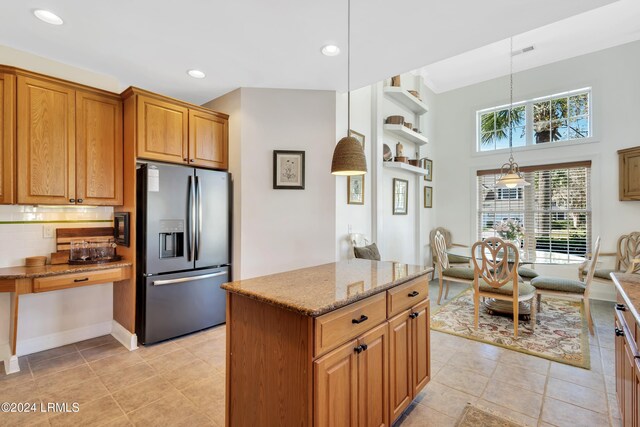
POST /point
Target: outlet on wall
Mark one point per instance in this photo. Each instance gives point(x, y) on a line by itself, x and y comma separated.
point(47, 231)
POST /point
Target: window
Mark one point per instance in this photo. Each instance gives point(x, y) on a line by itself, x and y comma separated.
point(561, 117)
point(555, 209)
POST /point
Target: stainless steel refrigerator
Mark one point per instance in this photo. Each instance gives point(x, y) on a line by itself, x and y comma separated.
point(183, 234)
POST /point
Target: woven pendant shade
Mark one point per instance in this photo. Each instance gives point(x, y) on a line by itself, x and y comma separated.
point(348, 158)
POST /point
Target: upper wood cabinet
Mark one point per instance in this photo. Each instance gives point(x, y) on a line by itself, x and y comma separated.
point(69, 143)
point(46, 142)
point(7, 137)
point(629, 164)
point(99, 173)
point(168, 130)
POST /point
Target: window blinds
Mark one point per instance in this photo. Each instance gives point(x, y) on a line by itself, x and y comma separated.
point(555, 209)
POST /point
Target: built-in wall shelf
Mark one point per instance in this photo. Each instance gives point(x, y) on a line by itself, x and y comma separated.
point(405, 166)
point(403, 97)
point(406, 133)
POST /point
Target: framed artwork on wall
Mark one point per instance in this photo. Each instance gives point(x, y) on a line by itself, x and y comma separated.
point(358, 136)
point(428, 197)
point(355, 190)
point(400, 196)
point(428, 165)
point(288, 170)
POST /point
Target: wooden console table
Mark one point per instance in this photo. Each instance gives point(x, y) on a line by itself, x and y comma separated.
point(26, 280)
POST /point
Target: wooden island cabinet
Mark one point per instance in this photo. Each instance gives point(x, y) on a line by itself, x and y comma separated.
point(342, 344)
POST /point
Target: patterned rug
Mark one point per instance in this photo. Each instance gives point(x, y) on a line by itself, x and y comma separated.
point(561, 332)
point(475, 417)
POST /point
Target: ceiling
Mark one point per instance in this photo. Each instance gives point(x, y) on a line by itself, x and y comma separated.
point(275, 43)
point(598, 29)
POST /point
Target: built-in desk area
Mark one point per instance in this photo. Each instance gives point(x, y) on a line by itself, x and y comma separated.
point(26, 280)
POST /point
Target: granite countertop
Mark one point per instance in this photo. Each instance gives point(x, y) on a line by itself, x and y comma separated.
point(318, 290)
point(54, 270)
point(629, 287)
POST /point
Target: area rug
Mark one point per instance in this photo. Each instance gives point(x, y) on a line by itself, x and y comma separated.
point(474, 417)
point(561, 332)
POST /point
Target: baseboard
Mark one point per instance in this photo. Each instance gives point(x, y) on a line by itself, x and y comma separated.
point(126, 338)
point(10, 362)
point(59, 339)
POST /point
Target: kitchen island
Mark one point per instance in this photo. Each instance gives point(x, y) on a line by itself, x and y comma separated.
point(339, 344)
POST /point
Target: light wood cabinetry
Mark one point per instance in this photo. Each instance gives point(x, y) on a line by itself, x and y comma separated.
point(168, 130)
point(627, 368)
point(629, 169)
point(7, 137)
point(69, 143)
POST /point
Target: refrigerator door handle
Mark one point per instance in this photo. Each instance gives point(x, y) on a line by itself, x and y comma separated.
point(192, 220)
point(199, 226)
point(188, 279)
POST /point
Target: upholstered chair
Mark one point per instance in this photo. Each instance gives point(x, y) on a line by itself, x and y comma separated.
point(627, 259)
point(444, 268)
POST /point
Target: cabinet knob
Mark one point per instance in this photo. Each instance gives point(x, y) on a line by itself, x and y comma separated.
point(413, 315)
point(192, 160)
point(358, 349)
point(364, 347)
point(621, 307)
point(79, 200)
point(619, 332)
point(413, 294)
point(360, 320)
point(185, 159)
point(72, 200)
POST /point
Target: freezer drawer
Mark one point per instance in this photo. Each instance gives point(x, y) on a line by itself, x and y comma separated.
point(181, 303)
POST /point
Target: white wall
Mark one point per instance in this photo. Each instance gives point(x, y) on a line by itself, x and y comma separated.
point(279, 230)
point(614, 76)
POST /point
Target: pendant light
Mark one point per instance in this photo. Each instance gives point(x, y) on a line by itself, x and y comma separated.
point(510, 175)
point(348, 156)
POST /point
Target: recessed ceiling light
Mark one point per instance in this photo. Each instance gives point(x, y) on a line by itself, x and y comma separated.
point(196, 74)
point(48, 17)
point(330, 50)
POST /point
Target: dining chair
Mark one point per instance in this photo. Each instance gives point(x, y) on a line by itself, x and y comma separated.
point(444, 267)
point(568, 288)
point(454, 260)
point(496, 276)
point(627, 259)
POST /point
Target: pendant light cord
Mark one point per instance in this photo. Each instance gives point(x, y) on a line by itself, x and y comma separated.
point(510, 98)
point(348, 66)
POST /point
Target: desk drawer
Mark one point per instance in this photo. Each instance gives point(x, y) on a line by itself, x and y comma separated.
point(337, 327)
point(74, 280)
point(404, 296)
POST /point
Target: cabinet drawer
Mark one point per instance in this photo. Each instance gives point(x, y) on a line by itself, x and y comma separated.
point(404, 296)
point(337, 327)
point(73, 280)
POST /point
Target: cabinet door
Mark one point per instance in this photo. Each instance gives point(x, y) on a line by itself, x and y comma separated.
point(420, 362)
point(373, 378)
point(208, 140)
point(336, 388)
point(98, 149)
point(619, 364)
point(400, 385)
point(162, 130)
point(46, 142)
point(7, 135)
point(630, 175)
point(629, 378)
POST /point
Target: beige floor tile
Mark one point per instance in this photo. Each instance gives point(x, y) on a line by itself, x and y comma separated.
point(208, 396)
point(95, 342)
point(445, 399)
point(610, 383)
point(142, 393)
point(436, 365)
point(121, 421)
point(596, 359)
point(172, 410)
point(173, 360)
point(63, 379)
point(507, 413)
point(115, 363)
point(20, 419)
point(81, 393)
point(424, 416)
point(190, 374)
point(560, 413)
point(577, 395)
point(116, 380)
point(532, 363)
point(614, 410)
point(20, 392)
point(520, 377)
point(616, 422)
point(461, 379)
point(21, 376)
point(517, 399)
point(105, 350)
point(487, 351)
point(148, 352)
point(53, 353)
point(198, 337)
point(442, 354)
point(50, 366)
point(474, 362)
point(98, 412)
point(583, 377)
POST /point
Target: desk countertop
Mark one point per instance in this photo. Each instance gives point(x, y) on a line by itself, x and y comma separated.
point(12, 273)
point(318, 290)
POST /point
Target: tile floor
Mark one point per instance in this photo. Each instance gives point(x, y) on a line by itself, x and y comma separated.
point(181, 382)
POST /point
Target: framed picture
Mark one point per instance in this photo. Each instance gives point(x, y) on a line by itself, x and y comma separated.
point(355, 190)
point(428, 197)
point(400, 196)
point(358, 136)
point(288, 170)
point(429, 170)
